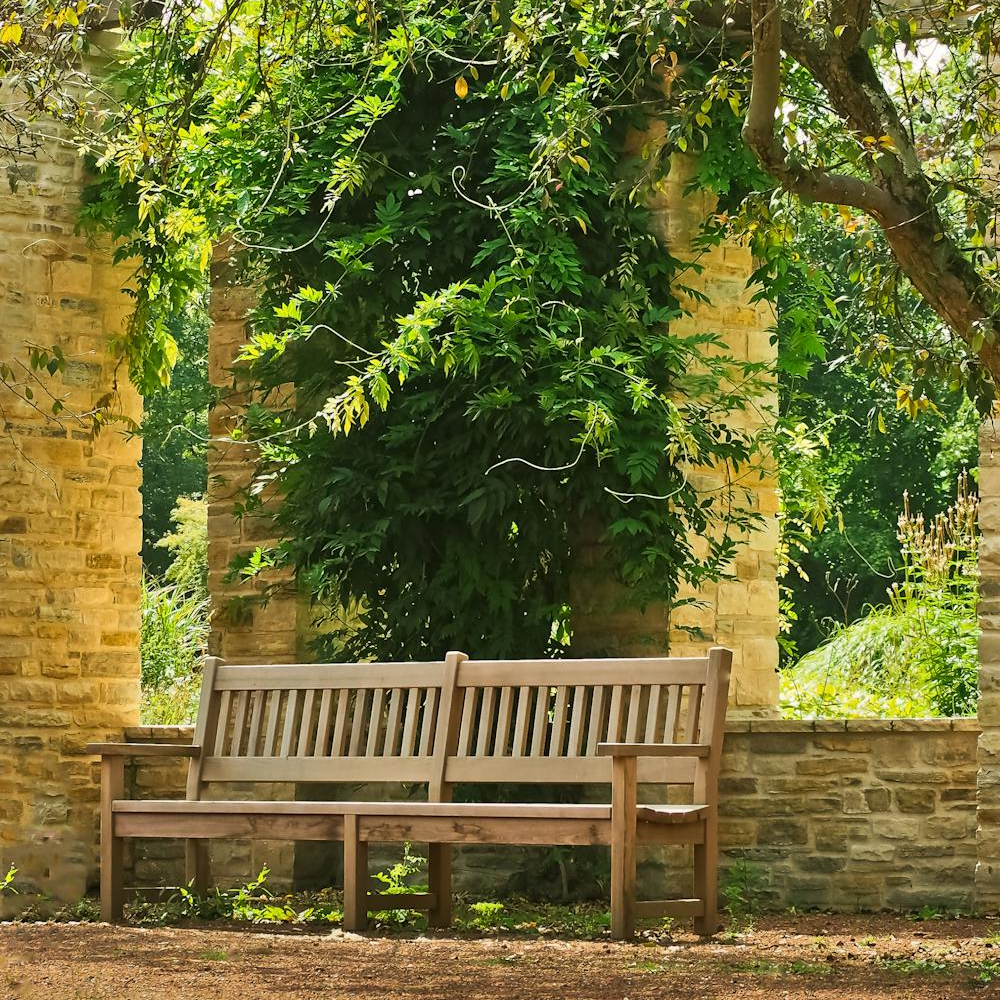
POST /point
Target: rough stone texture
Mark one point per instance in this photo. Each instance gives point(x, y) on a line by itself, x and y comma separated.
point(69, 533)
point(988, 832)
point(864, 815)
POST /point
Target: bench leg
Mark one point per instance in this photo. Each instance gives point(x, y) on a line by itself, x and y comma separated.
point(196, 866)
point(439, 879)
point(112, 866)
point(623, 838)
point(355, 876)
point(706, 878)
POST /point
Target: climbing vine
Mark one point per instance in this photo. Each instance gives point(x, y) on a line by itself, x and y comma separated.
point(464, 371)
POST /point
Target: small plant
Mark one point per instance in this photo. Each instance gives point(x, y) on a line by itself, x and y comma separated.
point(7, 882)
point(487, 916)
point(743, 888)
point(396, 882)
point(926, 913)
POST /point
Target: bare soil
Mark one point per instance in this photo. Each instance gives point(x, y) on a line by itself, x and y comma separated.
point(800, 957)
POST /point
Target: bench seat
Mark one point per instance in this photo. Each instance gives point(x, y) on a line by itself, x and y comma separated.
point(436, 822)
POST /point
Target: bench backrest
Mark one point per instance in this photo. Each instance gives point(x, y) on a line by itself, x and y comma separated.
point(457, 720)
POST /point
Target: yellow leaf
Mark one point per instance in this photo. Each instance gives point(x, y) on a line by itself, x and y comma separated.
point(881, 423)
point(462, 87)
point(10, 34)
point(582, 162)
point(474, 72)
point(547, 82)
point(581, 58)
point(504, 91)
point(581, 223)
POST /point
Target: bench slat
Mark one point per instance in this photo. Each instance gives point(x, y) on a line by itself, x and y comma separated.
point(375, 722)
point(500, 745)
point(485, 728)
point(595, 731)
point(410, 718)
point(522, 722)
point(615, 715)
point(428, 723)
point(576, 723)
point(304, 676)
point(653, 713)
point(322, 740)
point(673, 709)
point(306, 731)
point(288, 729)
point(357, 723)
point(392, 733)
point(632, 726)
point(340, 726)
point(694, 713)
point(656, 670)
point(220, 733)
point(256, 714)
point(274, 707)
point(557, 735)
point(540, 722)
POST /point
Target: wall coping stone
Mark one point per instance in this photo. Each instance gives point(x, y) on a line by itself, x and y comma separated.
point(169, 734)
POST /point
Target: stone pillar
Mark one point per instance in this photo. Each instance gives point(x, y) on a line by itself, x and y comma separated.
point(988, 781)
point(243, 630)
point(70, 532)
point(741, 611)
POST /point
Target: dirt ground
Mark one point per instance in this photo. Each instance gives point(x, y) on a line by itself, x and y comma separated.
point(814, 957)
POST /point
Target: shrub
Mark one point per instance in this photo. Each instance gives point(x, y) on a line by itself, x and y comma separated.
point(917, 654)
point(173, 636)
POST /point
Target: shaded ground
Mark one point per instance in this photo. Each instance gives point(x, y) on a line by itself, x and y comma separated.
point(815, 957)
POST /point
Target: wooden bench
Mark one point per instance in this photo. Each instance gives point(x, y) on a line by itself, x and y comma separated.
point(440, 724)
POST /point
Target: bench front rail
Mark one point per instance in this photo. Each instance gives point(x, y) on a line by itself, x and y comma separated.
point(619, 722)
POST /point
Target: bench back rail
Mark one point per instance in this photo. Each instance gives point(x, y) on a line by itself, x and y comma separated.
point(456, 720)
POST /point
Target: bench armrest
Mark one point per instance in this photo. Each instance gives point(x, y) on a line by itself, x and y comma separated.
point(653, 749)
point(144, 749)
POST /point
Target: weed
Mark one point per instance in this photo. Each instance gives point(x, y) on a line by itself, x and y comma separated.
point(397, 882)
point(767, 967)
point(914, 966)
point(214, 955)
point(7, 882)
point(742, 888)
point(926, 913)
point(487, 916)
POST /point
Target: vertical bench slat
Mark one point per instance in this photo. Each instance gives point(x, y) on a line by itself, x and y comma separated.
point(541, 722)
point(559, 722)
point(595, 730)
point(694, 712)
point(673, 711)
point(271, 735)
point(392, 733)
point(375, 722)
point(653, 713)
point(503, 723)
point(632, 726)
point(427, 722)
point(485, 733)
point(321, 743)
point(238, 722)
point(465, 733)
point(339, 741)
point(220, 733)
point(305, 726)
point(408, 743)
point(615, 715)
point(357, 723)
point(256, 713)
point(576, 721)
point(522, 723)
point(288, 729)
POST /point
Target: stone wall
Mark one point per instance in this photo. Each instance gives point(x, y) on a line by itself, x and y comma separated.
point(69, 532)
point(863, 815)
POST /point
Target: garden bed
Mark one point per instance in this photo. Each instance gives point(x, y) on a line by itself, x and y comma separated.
point(796, 957)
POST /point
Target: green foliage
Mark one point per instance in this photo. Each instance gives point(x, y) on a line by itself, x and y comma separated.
point(173, 635)
point(174, 432)
point(7, 882)
point(398, 881)
point(847, 447)
point(188, 547)
point(743, 887)
point(917, 655)
point(487, 916)
point(476, 320)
